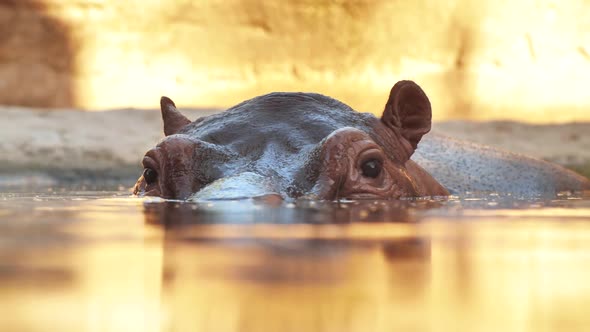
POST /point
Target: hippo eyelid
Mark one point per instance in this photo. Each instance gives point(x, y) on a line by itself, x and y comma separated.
point(149, 162)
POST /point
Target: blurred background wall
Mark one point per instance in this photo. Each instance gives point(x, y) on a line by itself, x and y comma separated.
point(523, 60)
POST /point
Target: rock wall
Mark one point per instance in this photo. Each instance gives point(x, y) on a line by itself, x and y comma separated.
point(527, 60)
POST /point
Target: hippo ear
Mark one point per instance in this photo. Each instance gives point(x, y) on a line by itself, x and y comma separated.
point(173, 120)
point(408, 113)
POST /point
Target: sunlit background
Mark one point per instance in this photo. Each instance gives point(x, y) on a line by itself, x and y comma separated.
point(522, 60)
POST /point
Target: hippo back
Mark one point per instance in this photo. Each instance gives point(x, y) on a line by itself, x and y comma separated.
point(464, 167)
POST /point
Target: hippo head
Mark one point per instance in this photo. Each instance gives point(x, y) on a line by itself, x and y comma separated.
point(293, 145)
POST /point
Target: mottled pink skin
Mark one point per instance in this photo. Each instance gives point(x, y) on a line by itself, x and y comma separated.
point(341, 174)
point(293, 145)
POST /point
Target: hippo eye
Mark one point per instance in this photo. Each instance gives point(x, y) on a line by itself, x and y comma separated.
point(150, 175)
point(371, 168)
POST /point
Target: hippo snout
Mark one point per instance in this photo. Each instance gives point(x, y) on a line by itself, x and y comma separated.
point(240, 186)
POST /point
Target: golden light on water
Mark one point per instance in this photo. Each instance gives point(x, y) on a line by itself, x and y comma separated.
point(526, 60)
point(120, 267)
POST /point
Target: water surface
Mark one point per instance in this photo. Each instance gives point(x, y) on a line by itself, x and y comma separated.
point(82, 260)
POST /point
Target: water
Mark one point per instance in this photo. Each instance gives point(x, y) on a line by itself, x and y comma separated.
point(81, 260)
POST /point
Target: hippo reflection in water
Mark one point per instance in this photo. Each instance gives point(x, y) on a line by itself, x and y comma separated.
point(306, 145)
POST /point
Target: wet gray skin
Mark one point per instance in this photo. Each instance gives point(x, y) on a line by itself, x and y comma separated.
point(306, 145)
point(464, 167)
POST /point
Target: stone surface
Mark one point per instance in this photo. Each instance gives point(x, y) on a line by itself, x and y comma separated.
point(69, 144)
point(527, 60)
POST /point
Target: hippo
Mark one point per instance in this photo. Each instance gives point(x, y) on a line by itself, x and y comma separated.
point(290, 145)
